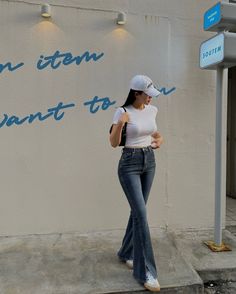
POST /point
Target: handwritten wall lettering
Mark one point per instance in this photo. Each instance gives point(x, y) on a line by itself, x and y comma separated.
point(58, 58)
point(105, 103)
point(97, 103)
point(54, 61)
point(54, 111)
point(10, 67)
point(164, 91)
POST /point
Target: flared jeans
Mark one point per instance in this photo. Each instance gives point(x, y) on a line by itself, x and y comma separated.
point(136, 171)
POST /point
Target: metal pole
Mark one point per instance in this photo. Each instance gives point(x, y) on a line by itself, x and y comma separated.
point(219, 157)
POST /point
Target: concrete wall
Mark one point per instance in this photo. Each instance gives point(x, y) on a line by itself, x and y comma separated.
point(58, 173)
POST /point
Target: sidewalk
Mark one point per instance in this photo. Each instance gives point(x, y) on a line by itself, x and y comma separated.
point(87, 263)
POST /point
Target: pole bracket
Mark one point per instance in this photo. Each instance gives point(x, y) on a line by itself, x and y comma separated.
point(217, 248)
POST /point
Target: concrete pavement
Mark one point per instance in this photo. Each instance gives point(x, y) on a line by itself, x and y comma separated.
point(87, 263)
point(209, 265)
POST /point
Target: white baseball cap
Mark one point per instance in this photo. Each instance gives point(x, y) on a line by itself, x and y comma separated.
point(145, 84)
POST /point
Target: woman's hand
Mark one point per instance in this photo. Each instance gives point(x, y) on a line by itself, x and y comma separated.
point(157, 140)
point(124, 118)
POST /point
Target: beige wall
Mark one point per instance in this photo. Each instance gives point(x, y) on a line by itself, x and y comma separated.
point(60, 176)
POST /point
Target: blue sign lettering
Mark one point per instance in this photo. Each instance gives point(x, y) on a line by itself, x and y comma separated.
point(211, 52)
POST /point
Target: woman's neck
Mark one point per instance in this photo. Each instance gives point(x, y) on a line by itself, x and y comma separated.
point(138, 105)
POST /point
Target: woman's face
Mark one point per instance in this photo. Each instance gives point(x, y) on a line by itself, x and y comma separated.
point(144, 98)
point(148, 99)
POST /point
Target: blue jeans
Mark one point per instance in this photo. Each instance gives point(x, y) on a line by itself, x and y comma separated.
point(136, 171)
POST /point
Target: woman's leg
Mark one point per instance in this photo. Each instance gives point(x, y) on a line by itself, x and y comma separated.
point(143, 253)
point(126, 250)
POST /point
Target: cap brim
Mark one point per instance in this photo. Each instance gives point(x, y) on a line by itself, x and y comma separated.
point(152, 91)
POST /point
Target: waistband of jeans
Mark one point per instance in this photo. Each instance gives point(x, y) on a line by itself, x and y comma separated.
point(137, 149)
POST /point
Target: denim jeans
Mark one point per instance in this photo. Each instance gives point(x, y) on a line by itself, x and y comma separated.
point(136, 171)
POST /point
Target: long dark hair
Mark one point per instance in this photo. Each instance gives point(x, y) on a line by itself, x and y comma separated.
point(131, 97)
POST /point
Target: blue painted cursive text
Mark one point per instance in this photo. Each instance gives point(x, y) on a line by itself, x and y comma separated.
point(164, 91)
point(10, 67)
point(67, 58)
point(54, 111)
point(104, 104)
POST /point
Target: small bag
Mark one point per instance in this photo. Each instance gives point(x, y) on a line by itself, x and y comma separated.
point(123, 134)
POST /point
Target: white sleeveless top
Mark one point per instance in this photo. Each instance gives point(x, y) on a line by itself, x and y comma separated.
point(141, 125)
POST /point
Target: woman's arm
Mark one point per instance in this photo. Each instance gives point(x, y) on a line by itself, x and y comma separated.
point(115, 136)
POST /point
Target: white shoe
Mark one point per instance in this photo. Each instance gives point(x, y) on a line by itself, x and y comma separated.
point(151, 283)
point(130, 263)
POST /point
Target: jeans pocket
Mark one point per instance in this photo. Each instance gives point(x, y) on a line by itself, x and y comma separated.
point(126, 155)
point(151, 157)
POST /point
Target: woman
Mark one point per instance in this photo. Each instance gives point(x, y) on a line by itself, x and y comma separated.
point(136, 172)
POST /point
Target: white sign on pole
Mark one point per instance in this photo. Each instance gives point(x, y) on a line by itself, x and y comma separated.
point(220, 50)
point(212, 51)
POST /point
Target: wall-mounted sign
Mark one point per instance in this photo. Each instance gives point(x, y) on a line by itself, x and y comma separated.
point(212, 51)
point(220, 50)
point(219, 17)
point(212, 16)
